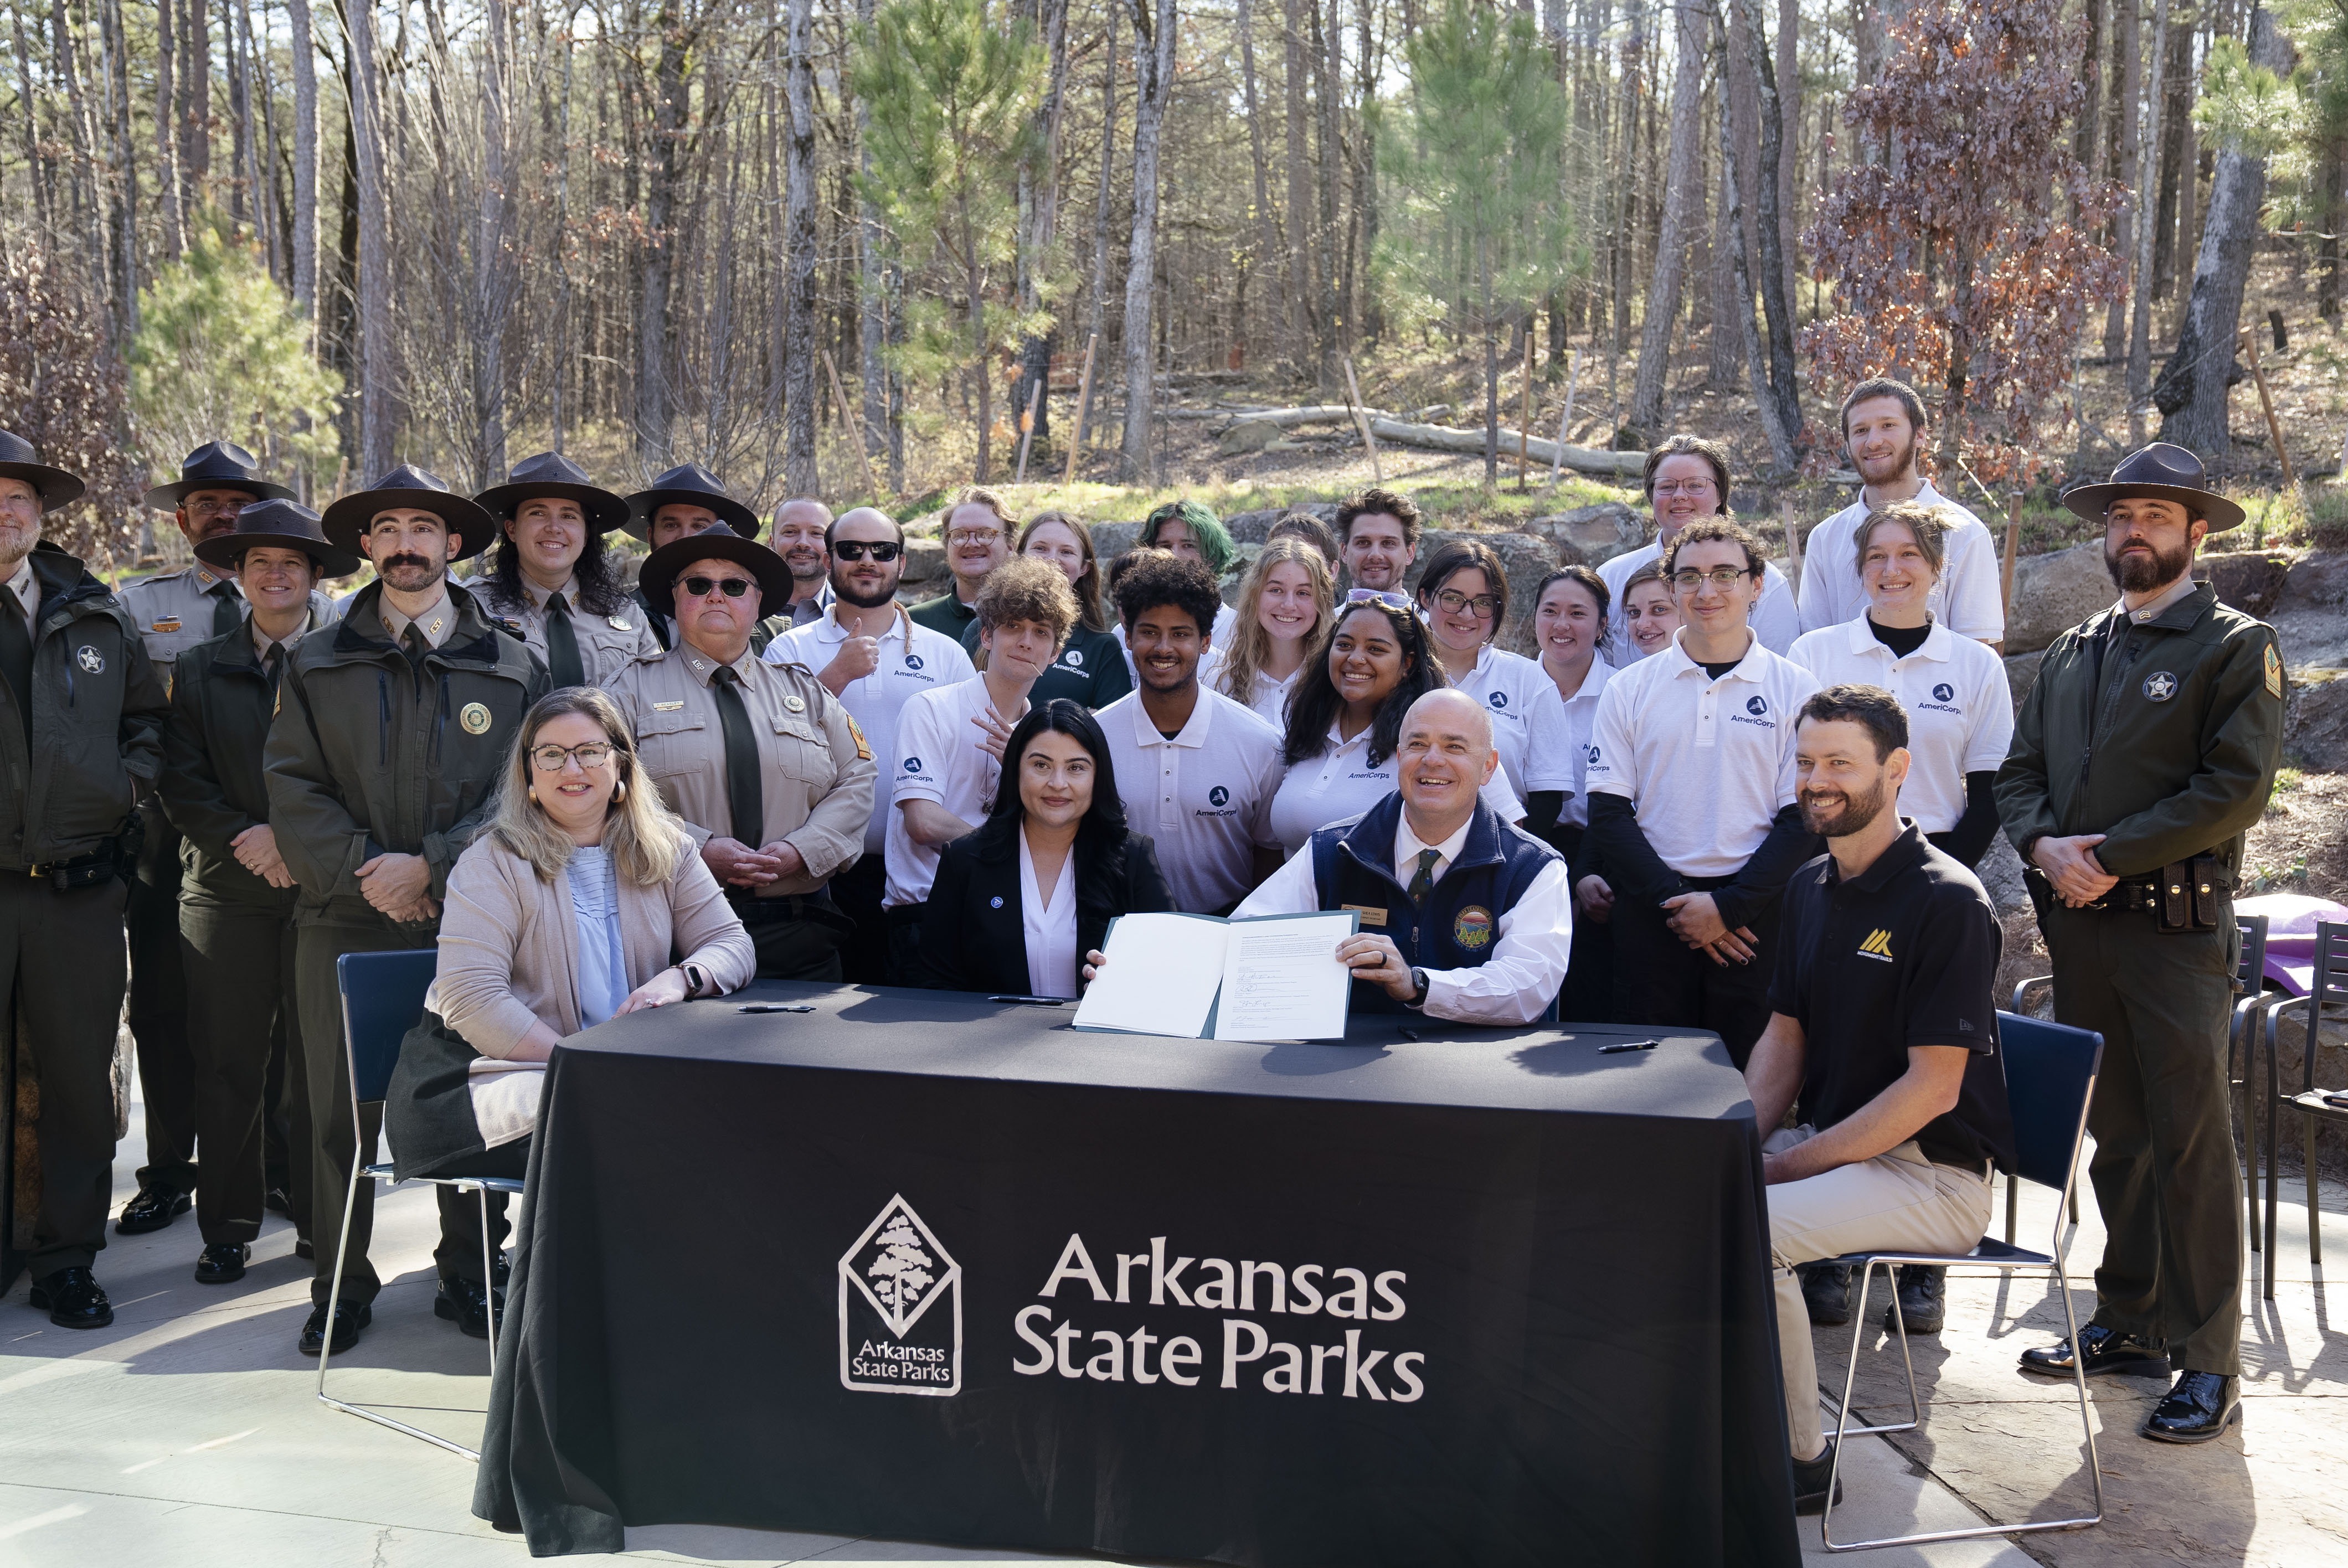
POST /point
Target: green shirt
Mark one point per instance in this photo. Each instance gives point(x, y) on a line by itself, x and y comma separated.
point(945, 615)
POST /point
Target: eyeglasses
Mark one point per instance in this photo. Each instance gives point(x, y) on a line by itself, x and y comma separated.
point(593, 754)
point(1455, 602)
point(209, 509)
point(973, 536)
point(855, 550)
point(1720, 577)
point(1684, 488)
point(735, 587)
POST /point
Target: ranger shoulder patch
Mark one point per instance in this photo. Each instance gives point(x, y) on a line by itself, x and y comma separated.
point(863, 746)
point(2274, 672)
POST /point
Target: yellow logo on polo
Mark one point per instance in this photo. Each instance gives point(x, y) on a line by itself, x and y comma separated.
point(475, 718)
point(1877, 946)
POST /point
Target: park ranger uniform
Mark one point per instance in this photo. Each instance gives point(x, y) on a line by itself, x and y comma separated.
point(607, 643)
point(2160, 728)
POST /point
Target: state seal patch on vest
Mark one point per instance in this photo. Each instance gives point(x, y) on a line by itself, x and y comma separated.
point(2274, 672)
point(475, 718)
point(1473, 929)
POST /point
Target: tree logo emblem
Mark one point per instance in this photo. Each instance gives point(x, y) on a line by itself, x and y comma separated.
point(890, 1342)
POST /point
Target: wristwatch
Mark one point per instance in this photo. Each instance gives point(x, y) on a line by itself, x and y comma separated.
point(1418, 987)
point(695, 981)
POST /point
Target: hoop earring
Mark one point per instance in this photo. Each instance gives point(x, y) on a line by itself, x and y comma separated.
point(619, 793)
point(533, 794)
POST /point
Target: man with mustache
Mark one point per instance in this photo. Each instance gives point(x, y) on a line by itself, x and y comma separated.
point(2141, 756)
point(1883, 1029)
point(801, 528)
point(872, 656)
point(81, 720)
point(1882, 429)
point(392, 730)
point(175, 610)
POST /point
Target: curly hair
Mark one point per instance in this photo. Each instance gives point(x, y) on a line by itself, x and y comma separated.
point(594, 578)
point(1315, 703)
point(1026, 589)
point(1187, 585)
point(1929, 526)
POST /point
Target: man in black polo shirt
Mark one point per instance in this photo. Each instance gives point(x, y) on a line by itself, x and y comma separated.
point(1883, 1025)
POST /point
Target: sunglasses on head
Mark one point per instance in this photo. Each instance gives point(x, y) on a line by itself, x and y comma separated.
point(854, 549)
point(734, 587)
point(1386, 597)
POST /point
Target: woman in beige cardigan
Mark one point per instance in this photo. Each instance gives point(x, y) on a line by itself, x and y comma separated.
point(561, 915)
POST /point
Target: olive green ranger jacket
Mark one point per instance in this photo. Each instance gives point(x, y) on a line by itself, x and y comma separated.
point(369, 754)
point(2162, 735)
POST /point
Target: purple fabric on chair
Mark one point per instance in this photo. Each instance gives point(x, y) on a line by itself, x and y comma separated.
point(2290, 934)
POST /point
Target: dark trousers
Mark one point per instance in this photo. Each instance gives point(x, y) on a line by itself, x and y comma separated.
point(159, 1011)
point(336, 1144)
point(1660, 981)
point(61, 977)
point(905, 945)
point(858, 892)
point(795, 939)
point(242, 1008)
point(2164, 1169)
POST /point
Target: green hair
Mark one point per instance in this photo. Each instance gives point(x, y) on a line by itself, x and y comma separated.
point(1213, 540)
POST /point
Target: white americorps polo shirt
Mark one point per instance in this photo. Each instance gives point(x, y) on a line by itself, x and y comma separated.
point(1560, 753)
point(1205, 796)
point(1269, 702)
point(937, 758)
point(1959, 708)
point(1708, 764)
point(1774, 615)
point(1966, 598)
point(1340, 783)
point(913, 659)
point(1509, 686)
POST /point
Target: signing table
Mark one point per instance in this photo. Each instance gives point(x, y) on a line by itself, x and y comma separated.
point(922, 1266)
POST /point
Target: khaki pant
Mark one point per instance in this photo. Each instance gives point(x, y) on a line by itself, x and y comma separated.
point(1897, 1202)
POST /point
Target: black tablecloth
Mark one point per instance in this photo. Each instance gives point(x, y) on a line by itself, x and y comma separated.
point(832, 1272)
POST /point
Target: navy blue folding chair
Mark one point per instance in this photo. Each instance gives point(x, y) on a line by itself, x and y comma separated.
point(2050, 1078)
point(2326, 1002)
point(383, 998)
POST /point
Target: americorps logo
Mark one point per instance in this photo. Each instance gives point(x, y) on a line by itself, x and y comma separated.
point(1756, 706)
point(1219, 797)
point(893, 1337)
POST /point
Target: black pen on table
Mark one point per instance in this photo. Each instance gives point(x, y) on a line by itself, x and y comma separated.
point(1623, 1045)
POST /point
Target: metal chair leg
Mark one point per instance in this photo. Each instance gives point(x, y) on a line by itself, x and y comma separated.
point(2012, 1199)
point(488, 1279)
point(2307, 1170)
point(2273, 1143)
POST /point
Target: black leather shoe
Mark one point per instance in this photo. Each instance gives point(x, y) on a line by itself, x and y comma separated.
point(2200, 1406)
point(2107, 1350)
point(151, 1210)
point(1921, 1289)
point(1826, 1291)
point(500, 1274)
point(222, 1263)
point(464, 1303)
point(348, 1321)
point(302, 1248)
point(275, 1199)
point(1810, 1481)
point(73, 1299)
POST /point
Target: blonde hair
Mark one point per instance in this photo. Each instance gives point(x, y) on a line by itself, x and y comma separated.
point(645, 839)
point(1928, 524)
point(1251, 644)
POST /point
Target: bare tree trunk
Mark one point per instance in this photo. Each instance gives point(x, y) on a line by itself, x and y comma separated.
point(2176, 155)
point(2129, 148)
point(1787, 89)
point(1680, 198)
point(377, 416)
point(493, 245)
point(2191, 391)
point(1776, 272)
point(1267, 222)
point(195, 100)
point(1369, 323)
point(87, 205)
point(1154, 57)
point(1783, 456)
point(2139, 360)
point(873, 301)
point(1304, 302)
point(303, 244)
point(800, 393)
point(1039, 220)
point(654, 333)
point(2090, 118)
point(1336, 322)
point(167, 150)
point(1096, 296)
point(244, 187)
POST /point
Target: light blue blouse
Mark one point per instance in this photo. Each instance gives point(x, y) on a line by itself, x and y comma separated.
point(603, 966)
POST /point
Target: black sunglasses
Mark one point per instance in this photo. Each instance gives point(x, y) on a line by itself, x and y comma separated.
point(853, 549)
point(735, 587)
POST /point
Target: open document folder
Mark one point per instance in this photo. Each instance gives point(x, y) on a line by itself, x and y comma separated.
point(1275, 976)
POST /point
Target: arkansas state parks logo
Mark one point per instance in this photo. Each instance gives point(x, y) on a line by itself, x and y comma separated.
point(889, 1340)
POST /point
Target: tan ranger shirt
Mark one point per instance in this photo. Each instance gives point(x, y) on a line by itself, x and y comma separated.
point(607, 643)
point(817, 775)
point(176, 611)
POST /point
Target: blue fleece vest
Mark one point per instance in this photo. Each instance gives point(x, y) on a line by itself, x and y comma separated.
point(1352, 863)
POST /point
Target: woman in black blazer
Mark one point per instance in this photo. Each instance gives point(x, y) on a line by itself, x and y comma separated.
point(1018, 903)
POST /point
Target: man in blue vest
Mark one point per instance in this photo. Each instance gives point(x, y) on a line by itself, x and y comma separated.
point(1463, 916)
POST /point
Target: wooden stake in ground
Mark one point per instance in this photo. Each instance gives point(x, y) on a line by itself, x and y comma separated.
point(1027, 428)
point(2250, 341)
point(847, 422)
point(1793, 545)
point(1525, 425)
point(1565, 420)
point(1084, 401)
point(2013, 548)
point(1362, 422)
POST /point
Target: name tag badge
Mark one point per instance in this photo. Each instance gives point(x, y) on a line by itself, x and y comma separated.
point(666, 707)
point(1370, 914)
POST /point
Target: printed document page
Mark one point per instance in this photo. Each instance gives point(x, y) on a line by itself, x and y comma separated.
point(1281, 980)
point(1162, 973)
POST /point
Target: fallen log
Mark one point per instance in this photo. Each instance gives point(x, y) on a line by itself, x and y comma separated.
point(1540, 448)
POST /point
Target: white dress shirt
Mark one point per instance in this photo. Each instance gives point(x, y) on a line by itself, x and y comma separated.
point(1204, 797)
point(1527, 966)
point(27, 589)
point(1048, 926)
point(1968, 597)
point(1775, 614)
point(1558, 755)
point(1960, 707)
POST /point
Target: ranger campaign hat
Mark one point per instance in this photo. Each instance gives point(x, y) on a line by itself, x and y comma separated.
point(2161, 472)
point(346, 520)
point(54, 486)
point(658, 581)
point(550, 474)
point(216, 465)
point(691, 485)
point(280, 523)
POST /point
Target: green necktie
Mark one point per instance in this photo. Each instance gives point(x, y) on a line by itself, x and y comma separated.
point(16, 657)
point(562, 661)
point(228, 608)
point(1422, 882)
point(744, 793)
